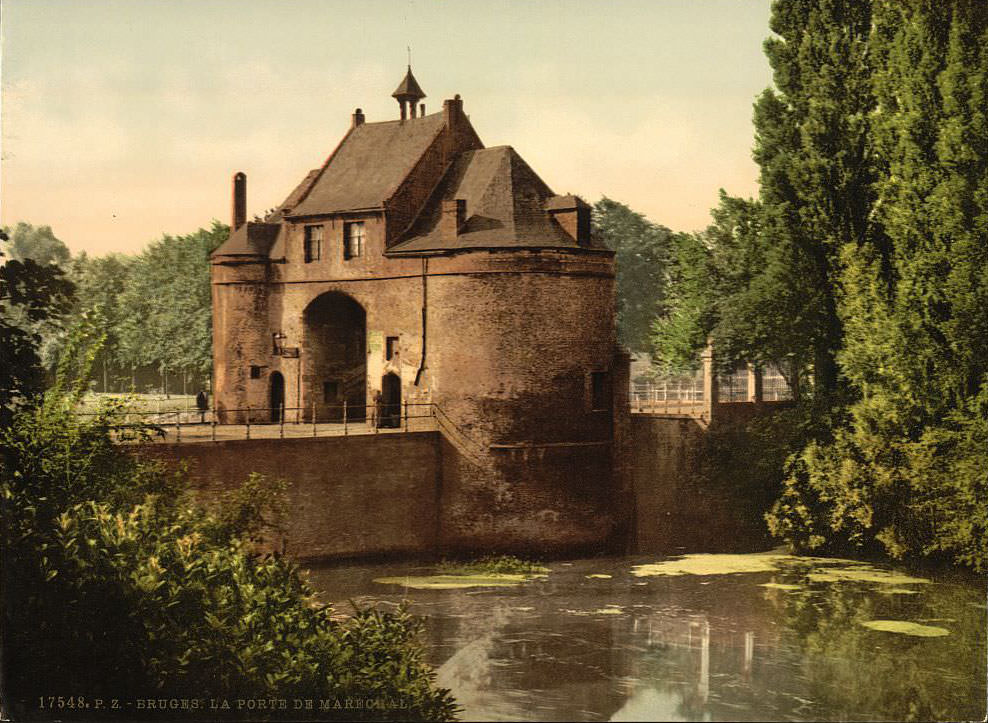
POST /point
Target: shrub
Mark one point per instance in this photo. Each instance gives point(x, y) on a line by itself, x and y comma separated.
point(491, 565)
point(875, 489)
point(116, 583)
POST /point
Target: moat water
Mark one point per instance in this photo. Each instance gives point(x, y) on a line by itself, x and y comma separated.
point(703, 638)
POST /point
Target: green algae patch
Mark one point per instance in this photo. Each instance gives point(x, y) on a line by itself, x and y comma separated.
point(713, 564)
point(904, 627)
point(455, 582)
point(780, 586)
point(864, 573)
point(598, 576)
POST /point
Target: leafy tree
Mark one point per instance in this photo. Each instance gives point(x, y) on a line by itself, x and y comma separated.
point(641, 254)
point(165, 308)
point(39, 243)
point(100, 281)
point(30, 295)
point(767, 292)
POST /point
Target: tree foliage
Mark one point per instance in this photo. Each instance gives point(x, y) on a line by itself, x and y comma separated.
point(166, 317)
point(775, 261)
point(641, 255)
point(907, 470)
point(32, 297)
point(862, 263)
point(39, 244)
point(116, 582)
point(154, 309)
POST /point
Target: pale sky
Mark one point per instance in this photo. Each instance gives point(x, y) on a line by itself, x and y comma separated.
point(124, 120)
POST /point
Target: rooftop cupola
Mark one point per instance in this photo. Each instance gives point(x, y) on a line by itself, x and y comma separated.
point(408, 93)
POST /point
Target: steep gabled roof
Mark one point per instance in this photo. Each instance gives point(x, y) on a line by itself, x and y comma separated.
point(505, 207)
point(369, 165)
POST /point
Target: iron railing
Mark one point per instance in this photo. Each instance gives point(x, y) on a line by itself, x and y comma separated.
point(271, 422)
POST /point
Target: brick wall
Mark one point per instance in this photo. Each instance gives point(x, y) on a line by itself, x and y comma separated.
point(674, 511)
point(347, 496)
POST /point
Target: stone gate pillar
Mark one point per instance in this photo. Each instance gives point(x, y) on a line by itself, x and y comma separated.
point(710, 390)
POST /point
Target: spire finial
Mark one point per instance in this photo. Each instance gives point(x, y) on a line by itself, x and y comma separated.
point(409, 48)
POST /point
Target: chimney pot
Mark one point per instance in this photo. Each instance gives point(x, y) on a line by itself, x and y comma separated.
point(239, 215)
point(358, 118)
point(454, 216)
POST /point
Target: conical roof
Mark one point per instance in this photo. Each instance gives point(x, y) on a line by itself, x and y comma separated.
point(409, 88)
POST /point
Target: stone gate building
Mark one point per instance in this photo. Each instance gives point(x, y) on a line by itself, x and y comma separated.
point(418, 266)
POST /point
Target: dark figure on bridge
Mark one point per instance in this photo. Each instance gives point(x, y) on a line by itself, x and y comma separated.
point(202, 404)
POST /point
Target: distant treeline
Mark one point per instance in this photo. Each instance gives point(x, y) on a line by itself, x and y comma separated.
point(153, 308)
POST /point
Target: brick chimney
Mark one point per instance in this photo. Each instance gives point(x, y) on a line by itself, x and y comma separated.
point(452, 111)
point(239, 215)
point(573, 214)
point(454, 216)
point(357, 118)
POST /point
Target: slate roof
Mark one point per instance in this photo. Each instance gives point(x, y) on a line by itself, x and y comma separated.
point(505, 206)
point(251, 239)
point(409, 88)
point(369, 165)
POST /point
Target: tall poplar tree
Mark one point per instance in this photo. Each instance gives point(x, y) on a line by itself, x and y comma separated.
point(777, 262)
point(907, 470)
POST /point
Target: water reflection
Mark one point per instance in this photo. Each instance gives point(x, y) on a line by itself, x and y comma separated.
point(711, 647)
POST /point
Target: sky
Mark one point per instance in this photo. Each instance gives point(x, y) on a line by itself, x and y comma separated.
point(124, 120)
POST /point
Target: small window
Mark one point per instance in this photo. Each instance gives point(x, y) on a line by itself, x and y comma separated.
point(600, 391)
point(353, 239)
point(330, 391)
point(391, 347)
point(313, 243)
point(255, 371)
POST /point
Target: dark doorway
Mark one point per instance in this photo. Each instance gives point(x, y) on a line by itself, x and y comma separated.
point(334, 354)
point(390, 413)
point(277, 396)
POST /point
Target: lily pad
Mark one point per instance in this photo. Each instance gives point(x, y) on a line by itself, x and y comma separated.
point(599, 576)
point(864, 573)
point(454, 582)
point(780, 586)
point(904, 627)
point(712, 564)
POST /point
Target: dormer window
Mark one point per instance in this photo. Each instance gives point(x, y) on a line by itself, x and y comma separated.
point(353, 239)
point(313, 243)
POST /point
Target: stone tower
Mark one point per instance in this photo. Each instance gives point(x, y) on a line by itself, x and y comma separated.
point(418, 266)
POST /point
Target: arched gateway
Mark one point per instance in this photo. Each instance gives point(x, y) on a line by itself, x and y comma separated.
point(334, 358)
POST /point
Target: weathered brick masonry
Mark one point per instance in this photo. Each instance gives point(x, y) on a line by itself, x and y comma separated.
point(347, 496)
point(418, 266)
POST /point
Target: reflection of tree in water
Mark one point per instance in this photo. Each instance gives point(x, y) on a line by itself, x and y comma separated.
point(854, 673)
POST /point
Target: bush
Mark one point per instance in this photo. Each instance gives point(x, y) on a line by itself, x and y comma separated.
point(491, 565)
point(116, 584)
point(875, 488)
